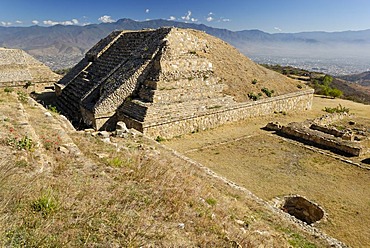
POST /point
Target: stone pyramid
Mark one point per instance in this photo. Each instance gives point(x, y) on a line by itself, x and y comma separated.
point(17, 67)
point(168, 82)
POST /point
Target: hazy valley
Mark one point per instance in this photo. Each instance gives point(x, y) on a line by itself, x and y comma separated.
point(336, 53)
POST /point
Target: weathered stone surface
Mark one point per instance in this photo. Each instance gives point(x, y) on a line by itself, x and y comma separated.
point(156, 82)
point(63, 150)
point(121, 126)
point(103, 134)
point(303, 209)
point(17, 67)
point(121, 130)
point(323, 139)
point(273, 126)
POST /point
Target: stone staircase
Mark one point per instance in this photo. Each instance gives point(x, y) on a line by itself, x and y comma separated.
point(69, 100)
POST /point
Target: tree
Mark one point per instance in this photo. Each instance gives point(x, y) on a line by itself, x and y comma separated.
point(326, 80)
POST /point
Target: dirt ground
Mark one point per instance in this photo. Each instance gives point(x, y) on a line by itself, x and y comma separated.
point(272, 167)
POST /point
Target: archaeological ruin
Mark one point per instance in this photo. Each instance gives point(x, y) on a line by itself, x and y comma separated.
point(319, 133)
point(18, 68)
point(171, 81)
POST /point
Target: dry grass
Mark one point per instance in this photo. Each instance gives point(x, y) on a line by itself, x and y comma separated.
point(272, 167)
point(238, 72)
point(130, 194)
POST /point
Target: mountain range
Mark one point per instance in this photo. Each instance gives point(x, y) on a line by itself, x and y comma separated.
point(62, 46)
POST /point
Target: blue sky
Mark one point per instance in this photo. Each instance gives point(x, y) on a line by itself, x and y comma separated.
point(267, 15)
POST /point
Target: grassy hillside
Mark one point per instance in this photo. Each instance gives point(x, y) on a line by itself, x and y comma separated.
point(351, 90)
point(60, 188)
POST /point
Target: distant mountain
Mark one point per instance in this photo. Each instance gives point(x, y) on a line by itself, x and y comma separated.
point(62, 46)
point(361, 78)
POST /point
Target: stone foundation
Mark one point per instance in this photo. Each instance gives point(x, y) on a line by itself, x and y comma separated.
point(215, 117)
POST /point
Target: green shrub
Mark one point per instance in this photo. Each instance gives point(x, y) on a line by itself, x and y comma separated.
point(211, 201)
point(335, 92)
point(254, 81)
point(267, 92)
point(25, 143)
point(253, 96)
point(21, 163)
point(117, 162)
point(53, 109)
point(22, 97)
point(45, 204)
point(159, 139)
point(338, 109)
point(8, 90)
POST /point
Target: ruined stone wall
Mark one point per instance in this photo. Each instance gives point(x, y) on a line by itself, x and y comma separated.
point(18, 67)
point(13, 67)
point(323, 139)
point(215, 117)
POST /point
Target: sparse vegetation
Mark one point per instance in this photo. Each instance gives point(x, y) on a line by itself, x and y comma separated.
point(139, 194)
point(118, 162)
point(45, 204)
point(267, 92)
point(8, 90)
point(323, 84)
point(22, 96)
point(322, 87)
point(214, 107)
point(300, 242)
point(253, 96)
point(254, 81)
point(160, 139)
point(338, 109)
point(53, 109)
point(24, 143)
point(27, 85)
point(211, 201)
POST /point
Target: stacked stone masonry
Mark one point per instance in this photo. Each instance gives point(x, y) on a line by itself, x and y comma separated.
point(321, 136)
point(18, 67)
point(155, 82)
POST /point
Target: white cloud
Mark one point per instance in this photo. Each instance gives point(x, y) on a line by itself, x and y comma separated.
point(225, 20)
point(106, 19)
point(210, 13)
point(188, 17)
point(52, 23)
point(35, 22)
point(5, 23)
point(278, 29)
point(209, 18)
point(172, 18)
point(18, 22)
point(147, 11)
